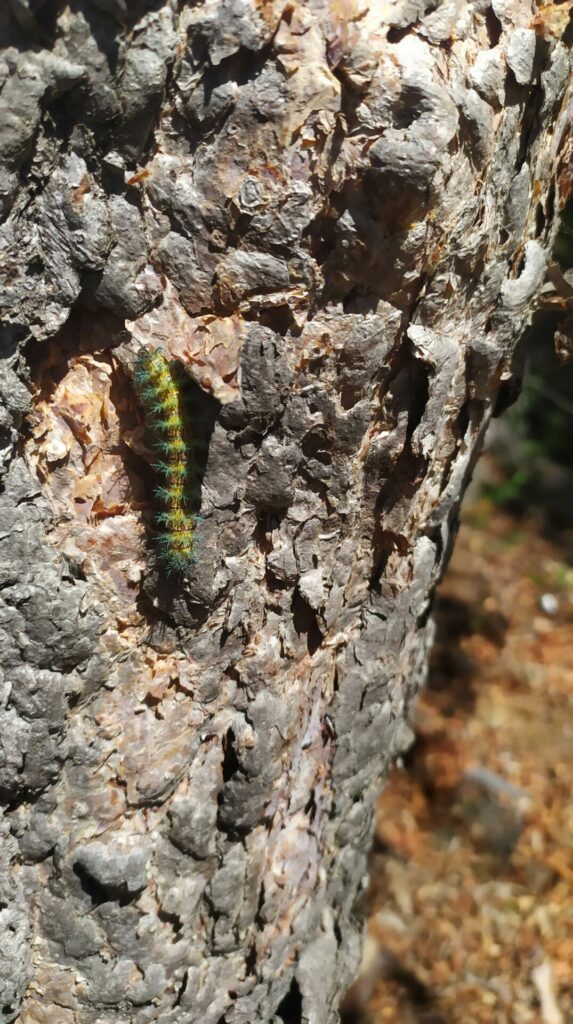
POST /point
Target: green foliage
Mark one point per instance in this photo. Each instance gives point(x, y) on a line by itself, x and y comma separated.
point(532, 441)
point(563, 247)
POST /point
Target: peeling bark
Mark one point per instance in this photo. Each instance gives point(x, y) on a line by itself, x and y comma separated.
point(337, 215)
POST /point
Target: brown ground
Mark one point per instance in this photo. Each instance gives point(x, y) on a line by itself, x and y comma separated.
point(471, 899)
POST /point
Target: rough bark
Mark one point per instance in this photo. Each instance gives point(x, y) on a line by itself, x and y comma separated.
point(337, 214)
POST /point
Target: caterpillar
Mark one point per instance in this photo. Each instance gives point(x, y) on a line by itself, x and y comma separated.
point(160, 385)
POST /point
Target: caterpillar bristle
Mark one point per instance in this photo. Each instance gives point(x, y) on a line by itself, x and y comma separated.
point(171, 519)
point(167, 495)
point(174, 468)
point(170, 425)
point(170, 446)
point(160, 385)
point(178, 543)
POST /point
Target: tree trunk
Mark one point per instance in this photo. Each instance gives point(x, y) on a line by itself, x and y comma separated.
point(337, 216)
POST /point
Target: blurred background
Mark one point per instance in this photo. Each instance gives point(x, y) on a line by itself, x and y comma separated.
point(470, 906)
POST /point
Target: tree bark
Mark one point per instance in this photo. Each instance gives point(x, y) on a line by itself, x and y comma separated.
point(337, 216)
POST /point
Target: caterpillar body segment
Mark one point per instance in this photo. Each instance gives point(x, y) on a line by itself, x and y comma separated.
point(160, 385)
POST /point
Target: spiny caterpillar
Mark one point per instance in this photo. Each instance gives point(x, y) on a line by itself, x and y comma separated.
point(160, 386)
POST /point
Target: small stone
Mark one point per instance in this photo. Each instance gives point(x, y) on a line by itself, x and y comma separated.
point(549, 604)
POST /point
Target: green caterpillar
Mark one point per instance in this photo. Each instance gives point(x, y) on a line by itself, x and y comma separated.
point(160, 385)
